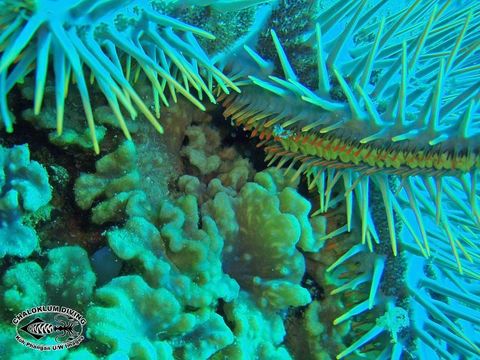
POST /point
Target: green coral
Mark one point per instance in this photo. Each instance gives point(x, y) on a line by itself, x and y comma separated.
point(236, 231)
point(291, 202)
point(12, 350)
point(23, 287)
point(259, 333)
point(155, 314)
point(141, 242)
point(211, 244)
point(116, 183)
point(203, 157)
point(67, 279)
point(75, 134)
point(262, 227)
point(24, 190)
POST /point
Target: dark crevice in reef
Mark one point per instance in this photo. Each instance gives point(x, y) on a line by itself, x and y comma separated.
point(302, 189)
point(240, 139)
point(63, 167)
point(220, 310)
point(40, 147)
point(315, 290)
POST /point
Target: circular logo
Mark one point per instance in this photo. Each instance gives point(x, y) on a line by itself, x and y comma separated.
point(49, 327)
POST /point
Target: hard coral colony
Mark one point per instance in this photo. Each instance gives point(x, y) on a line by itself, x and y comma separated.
point(361, 242)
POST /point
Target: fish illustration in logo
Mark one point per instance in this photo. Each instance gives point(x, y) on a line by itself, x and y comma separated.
point(63, 327)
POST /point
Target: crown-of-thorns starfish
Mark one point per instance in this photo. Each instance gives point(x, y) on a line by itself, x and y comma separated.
point(106, 38)
point(399, 101)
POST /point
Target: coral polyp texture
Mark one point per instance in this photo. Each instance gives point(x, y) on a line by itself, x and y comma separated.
point(103, 41)
point(357, 238)
point(24, 190)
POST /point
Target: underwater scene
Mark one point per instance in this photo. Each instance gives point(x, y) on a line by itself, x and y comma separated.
point(239, 179)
